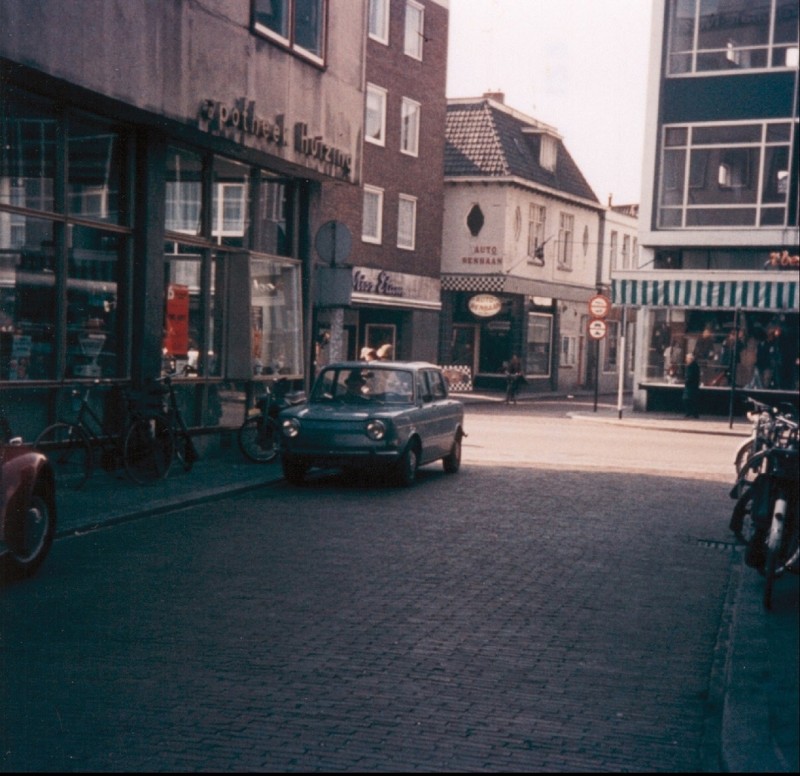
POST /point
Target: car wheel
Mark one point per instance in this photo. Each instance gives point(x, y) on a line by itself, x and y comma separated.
point(31, 538)
point(406, 471)
point(452, 461)
point(294, 470)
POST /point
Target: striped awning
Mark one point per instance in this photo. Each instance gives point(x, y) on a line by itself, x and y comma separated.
point(720, 290)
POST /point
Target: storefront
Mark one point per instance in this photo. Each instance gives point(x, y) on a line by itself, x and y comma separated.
point(128, 252)
point(745, 319)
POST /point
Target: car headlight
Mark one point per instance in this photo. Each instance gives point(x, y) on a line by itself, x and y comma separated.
point(290, 427)
point(376, 429)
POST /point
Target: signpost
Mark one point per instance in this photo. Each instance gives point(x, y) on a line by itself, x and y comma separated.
point(599, 308)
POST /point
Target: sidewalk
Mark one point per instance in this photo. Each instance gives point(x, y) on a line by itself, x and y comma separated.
point(754, 683)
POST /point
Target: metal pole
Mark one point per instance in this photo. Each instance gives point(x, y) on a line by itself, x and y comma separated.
point(734, 362)
point(622, 362)
point(596, 371)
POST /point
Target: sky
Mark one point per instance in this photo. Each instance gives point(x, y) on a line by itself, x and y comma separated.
point(578, 65)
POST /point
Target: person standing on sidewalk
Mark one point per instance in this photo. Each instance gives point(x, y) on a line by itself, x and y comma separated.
point(514, 379)
point(691, 387)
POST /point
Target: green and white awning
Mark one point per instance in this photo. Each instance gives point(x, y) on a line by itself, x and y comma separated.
point(716, 290)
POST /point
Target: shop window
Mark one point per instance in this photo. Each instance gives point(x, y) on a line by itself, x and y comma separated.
point(611, 341)
point(184, 186)
point(539, 344)
point(378, 20)
point(409, 127)
point(296, 24)
point(271, 231)
point(276, 336)
point(569, 351)
point(229, 203)
point(414, 29)
point(375, 120)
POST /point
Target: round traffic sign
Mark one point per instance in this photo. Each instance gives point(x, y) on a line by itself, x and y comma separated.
point(599, 306)
point(597, 329)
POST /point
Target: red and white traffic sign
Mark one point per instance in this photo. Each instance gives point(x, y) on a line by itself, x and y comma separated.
point(597, 328)
point(599, 306)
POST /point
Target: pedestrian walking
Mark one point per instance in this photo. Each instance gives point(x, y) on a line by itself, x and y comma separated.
point(514, 379)
point(691, 387)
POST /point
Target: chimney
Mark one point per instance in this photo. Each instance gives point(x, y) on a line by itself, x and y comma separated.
point(496, 96)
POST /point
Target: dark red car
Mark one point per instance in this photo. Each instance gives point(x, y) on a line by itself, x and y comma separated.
point(27, 509)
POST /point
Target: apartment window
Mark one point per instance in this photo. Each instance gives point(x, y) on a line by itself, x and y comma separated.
point(296, 24)
point(735, 35)
point(379, 20)
point(375, 121)
point(727, 175)
point(406, 222)
point(566, 232)
point(415, 29)
point(409, 127)
point(635, 254)
point(613, 250)
point(537, 215)
point(372, 221)
point(626, 251)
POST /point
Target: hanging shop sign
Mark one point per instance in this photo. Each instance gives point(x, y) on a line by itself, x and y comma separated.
point(484, 305)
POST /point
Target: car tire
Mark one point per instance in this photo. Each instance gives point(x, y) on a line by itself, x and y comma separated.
point(451, 463)
point(294, 470)
point(30, 540)
point(406, 467)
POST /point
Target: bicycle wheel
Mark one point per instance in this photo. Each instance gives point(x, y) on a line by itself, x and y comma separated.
point(70, 454)
point(742, 518)
point(258, 439)
point(148, 449)
point(774, 546)
point(185, 450)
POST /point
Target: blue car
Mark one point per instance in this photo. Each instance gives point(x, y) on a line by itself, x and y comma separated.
point(390, 416)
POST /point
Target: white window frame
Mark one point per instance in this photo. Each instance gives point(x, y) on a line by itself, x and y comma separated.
point(626, 251)
point(548, 152)
point(414, 34)
point(677, 181)
point(377, 111)
point(730, 58)
point(537, 221)
point(378, 21)
point(374, 195)
point(288, 36)
point(410, 114)
point(566, 238)
point(613, 249)
point(406, 233)
point(569, 351)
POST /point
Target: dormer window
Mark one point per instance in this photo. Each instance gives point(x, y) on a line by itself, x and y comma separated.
point(548, 152)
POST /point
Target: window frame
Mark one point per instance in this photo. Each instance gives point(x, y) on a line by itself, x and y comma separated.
point(412, 201)
point(378, 10)
point(377, 237)
point(289, 40)
point(382, 94)
point(418, 34)
point(409, 107)
point(682, 62)
point(537, 223)
point(566, 240)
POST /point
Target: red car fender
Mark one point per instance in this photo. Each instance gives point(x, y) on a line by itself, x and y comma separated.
point(22, 469)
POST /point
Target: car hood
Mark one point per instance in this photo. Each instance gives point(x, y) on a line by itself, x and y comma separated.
point(343, 412)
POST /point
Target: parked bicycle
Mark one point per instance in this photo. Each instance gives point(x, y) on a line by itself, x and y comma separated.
point(144, 448)
point(765, 517)
point(184, 447)
point(259, 435)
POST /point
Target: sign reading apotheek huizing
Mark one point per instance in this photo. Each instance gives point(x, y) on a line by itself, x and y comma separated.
point(242, 116)
point(484, 305)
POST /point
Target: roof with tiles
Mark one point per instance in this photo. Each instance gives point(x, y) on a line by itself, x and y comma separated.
point(486, 139)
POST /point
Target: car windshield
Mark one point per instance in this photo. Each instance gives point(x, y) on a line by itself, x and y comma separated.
point(363, 385)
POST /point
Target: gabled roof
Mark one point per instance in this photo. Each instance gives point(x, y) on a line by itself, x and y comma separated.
point(486, 140)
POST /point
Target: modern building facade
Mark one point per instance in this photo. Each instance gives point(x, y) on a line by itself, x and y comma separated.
point(161, 175)
point(385, 290)
point(521, 252)
point(719, 208)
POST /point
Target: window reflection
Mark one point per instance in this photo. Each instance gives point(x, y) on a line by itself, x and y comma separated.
point(184, 191)
point(229, 203)
point(93, 177)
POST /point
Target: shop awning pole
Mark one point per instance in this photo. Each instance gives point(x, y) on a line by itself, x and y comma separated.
point(734, 364)
point(621, 362)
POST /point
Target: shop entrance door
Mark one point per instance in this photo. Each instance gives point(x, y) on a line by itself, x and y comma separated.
point(463, 346)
